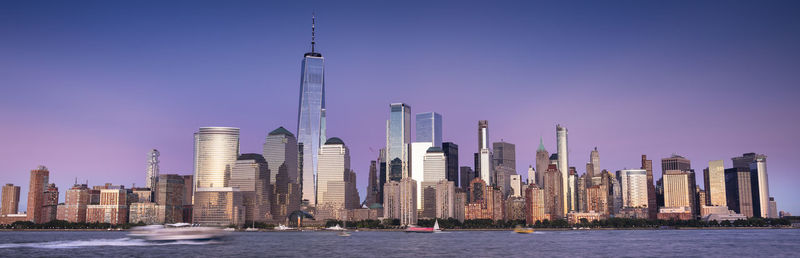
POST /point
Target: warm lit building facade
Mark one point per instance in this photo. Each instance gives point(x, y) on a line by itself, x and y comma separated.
point(10, 199)
point(400, 201)
point(535, 209)
point(113, 207)
point(218, 206)
point(485, 202)
point(76, 201)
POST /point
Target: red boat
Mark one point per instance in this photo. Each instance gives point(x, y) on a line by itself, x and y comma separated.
point(434, 229)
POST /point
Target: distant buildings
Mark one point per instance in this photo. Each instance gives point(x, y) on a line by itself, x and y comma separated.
point(76, 202)
point(542, 161)
point(429, 128)
point(553, 192)
point(466, 175)
point(633, 184)
point(485, 202)
point(40, 210)
point(535, 209)
point(714, 180)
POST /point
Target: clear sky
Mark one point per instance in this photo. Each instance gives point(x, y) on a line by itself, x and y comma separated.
point(88, 87)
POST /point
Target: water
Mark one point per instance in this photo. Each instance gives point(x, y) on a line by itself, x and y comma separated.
point(578, 243)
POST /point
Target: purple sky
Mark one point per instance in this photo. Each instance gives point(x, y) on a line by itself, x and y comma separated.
point(87, 88)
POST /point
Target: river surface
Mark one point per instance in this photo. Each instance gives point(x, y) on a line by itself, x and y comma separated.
point(577, 243)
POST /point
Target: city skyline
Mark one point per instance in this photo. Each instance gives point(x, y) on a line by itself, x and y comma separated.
point(51, 139)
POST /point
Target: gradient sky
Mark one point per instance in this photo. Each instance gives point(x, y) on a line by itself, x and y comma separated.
point(88, 87)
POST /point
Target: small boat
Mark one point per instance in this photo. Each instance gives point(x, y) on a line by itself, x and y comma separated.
point(252, 228)
point(344, 234)
point(229, 229)
point(522, 230)
point(177, 232)
point(415, 229)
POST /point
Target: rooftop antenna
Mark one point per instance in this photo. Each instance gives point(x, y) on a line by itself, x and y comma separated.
point(313, 23)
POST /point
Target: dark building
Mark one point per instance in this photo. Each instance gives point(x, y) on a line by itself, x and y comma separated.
point(372, 184)
point(652, 206)
point(740, 191)
point(382, 177)
point(170, 195)
point(451, 154)
point(466, 176)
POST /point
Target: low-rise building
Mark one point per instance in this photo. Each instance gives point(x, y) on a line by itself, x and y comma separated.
point(675, 213)
point(575, 217)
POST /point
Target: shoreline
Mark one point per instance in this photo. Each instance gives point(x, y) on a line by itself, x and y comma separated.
point(403, 230)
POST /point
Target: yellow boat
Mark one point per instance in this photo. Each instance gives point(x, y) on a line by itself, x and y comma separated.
point(522, 230)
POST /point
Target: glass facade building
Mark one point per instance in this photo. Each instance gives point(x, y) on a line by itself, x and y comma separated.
point(311, 119)
point(398, 135)
point(215, 152)
point(429, 128)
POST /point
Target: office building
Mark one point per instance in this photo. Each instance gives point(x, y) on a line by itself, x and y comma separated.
point(311, 115)
point(484, 157)
point(152, 169)
point(714, 180)
point(679, 163)
point(535, 209)
point(169, 197)
point(218, 206)
point(553, 193)
point(451, 154)
point(676, 189)
point(282, 156)
point(466, 175)
point(652, 206)
point(531, 176)
point(759, 168)
point(633, 184)
point(429, 128)
point(215, 152)
point(418, 152)
point(739, 192)
point(251, 175)
point(372, 185)
point(773, 208)
point(594, 159)
point(398, 135)
point(434, 170)
point(400, 201)
point(445, 200)
point(514, 208)
point(542, 161)
point(516, 186)
point(10, 198)
point(336, 182)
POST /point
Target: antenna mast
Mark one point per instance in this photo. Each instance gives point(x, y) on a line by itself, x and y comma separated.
point(313, 23)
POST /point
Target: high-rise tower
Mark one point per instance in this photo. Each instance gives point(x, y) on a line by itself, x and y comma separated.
point(429, 128)
point(398, 135)
point(152, 169)
point(563, 166)
point(594, 159)
point(311, 115)
point(484, 168)
point(215, 152)
point(542, 160)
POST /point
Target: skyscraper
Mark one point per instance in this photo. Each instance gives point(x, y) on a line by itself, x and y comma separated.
point(466, 175)
point(76, 201)
point(382, 177)
point(739, 192)
point(215, 151)
point(676, 189)
point(435, 169)
point(334, 186)
point(282, 156)
point(679, 163)
point(542, 160)
point(553, 193)
point(484, 155)
point(429, 128)
point(10, 198)
point(372, 185)
point(633, 184)
point(504, 153)
point(400, 200)
point(398, 135)
point(418, 151)
point(152, 169)
point(251, 176)
point(563, 165)
point(311, 116)
point(532, 175)
point(594, 159)
point(451, 153)
point(647, 165)
point(759, 168)
point(714, 180)
point(36, 195)
point(170, 197)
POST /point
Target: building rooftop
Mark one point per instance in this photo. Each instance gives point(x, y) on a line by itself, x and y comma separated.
point(334, 140)
point(252, 156)
point(434, 149)
point(281, 131)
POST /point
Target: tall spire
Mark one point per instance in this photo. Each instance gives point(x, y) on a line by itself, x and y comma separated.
point(541, 144)
point(313, 23)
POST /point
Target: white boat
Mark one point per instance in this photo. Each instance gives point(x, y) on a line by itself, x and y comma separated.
point(282, 227)
point(335, 227)
point(176, 232)
point(230, 229)
point(344, 234)
point(436, 228)
point(415, 229)
point(251, 229)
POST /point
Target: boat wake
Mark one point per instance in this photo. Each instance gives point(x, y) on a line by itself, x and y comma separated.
point(99, 243)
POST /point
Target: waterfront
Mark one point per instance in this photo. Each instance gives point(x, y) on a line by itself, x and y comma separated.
point(580, 243)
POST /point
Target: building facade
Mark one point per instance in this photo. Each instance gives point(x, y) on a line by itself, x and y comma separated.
point(251, 175)
point(281, 154)
point(215, 152)
point(218, 206)
point(398, 135)
point(429, 128)
point(10, 199)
